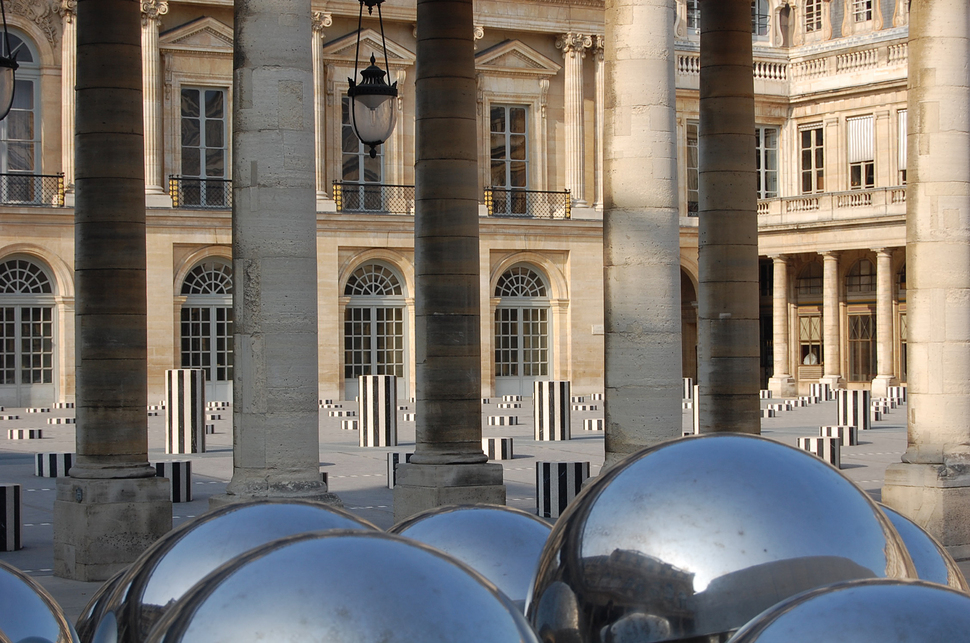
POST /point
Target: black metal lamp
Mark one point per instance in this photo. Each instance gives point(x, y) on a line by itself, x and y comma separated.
point(373, 109)
point(8, 65)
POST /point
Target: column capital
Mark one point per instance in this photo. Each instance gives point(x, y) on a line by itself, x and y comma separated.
point(573, 43)
point(779, 258)
point(830, 254)
point(478, 33)
point(599, 46)
point(67, 9)
point(885, 252)
point(320, 21)
point(152, 10)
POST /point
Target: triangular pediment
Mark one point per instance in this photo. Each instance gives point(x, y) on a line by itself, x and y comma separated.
point(203, 34)
point(345, 48)
point(515, 57)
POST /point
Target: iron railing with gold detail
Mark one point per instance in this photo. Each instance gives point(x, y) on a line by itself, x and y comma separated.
point(527, 204)
point(376, 198)
point(200, 194)
point(32, 189)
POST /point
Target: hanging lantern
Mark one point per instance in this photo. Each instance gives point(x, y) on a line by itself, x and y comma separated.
point(373, 109)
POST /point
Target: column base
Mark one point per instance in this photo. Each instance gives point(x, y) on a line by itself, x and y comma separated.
point(325, 203)
point(782, 386)
point(880, 385)
point(937, 498)
point(101, 526)
point(420, 487)
point(312, 491)
point(834, 381)
point(585, 212)
point(158, 200)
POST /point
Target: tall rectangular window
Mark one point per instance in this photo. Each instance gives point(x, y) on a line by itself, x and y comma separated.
point(813, 159)
point(357, 167)
point(813, 15)
point(862, 10)
point(693, 17)
point(862, 165)
point(901, 145)
point(204, 146)
point(693, 197)
point(759, 19)
point(862, 356)
point(810, 339)
point(766, 161)
point(508, 142)
point(903, 333)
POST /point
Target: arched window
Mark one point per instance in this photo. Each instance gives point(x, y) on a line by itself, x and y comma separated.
point(809, 280)
point(374, 326)
point(207, 325)
point(27, 368)
point(20, 130)
point(861, 277)
point(522, 342)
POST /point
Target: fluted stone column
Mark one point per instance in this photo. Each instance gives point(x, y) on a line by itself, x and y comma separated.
point(320, 22)
point(155, 193)
point(112, 506)
point(728, 306)
point(599, 72)
point(641, 229)
point(932, 484)
point(448, 465)
point(68, 11)
point(276, 451)
point(574, 47)
point(831, 338)
point(884, 324)
point(781, 383)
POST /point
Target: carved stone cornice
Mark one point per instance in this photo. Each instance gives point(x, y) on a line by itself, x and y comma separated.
point(152, 10)
point(574, 43)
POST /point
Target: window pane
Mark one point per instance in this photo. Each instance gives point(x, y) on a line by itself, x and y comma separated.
point(517, 175)
point(517, 120)
point(517, 147)
point(191, 162)
point(190, 132)
point(498, 119)
point(214, 134)
point(214, 104)
point(190, 103)
point(498, 146)
point(215, 166)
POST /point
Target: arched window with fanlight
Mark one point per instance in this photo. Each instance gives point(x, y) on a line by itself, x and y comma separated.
point(374, 326)
point(522, 324)
point(207, 325)
point(20, 149)
point(27, 364)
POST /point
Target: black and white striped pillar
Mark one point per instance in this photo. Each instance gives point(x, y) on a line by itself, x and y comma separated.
point(848, 435)
point(25, 434)
point(853, 407)
point(897, 393)
point(52, 465)
point(185, 410)
point(11, 517)
point(179, 473)
point(688, 388)
point(821, 391)
point(551, 411)
point(394, 458)
point(497, 448)
point(377, 406)
point(828, 449)
point(557, 483)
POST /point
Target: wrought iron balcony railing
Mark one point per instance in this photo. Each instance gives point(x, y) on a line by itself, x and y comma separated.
point(376, 198)
point(527, 204)
point(32, 189)
point(202, 194)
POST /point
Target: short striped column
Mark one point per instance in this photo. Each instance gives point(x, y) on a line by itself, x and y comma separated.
point(827, 449)
point(764, 394)
point(551, 411)
point(179, 473)
point(897, 393)
point(853, 408)
point(695, 426)
point(185, 410)
point(25, 434)
point(557, 483)
point(377, 403)
point(502, 420)
point(768, 413)
point(394, 458)
point(52, 465)
point(11, 517)
point(597, 397)
point(821, 391)
point(497, 448)
point(688, 388)
point(348, 425)
point(593, 424)
point(847, 435)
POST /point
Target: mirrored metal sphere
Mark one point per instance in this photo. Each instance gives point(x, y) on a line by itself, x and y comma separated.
point(696, 536)
point(181, 558)
point(500, 543)
point(869, 611)
point(3, 638)
point(344, 586)
point(87, 622)
point(28, 612)
point(932, 561)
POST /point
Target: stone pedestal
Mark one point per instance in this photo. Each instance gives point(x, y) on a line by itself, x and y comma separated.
point(425, 486)
point(137, 510)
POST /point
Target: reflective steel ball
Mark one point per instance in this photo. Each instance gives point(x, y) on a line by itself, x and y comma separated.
point(358, 586)
point(28, 612)
point(87, 622)
point(501, 543)
point(933, 563)
point(869, 611)
point(181, 558)
point(696, 536)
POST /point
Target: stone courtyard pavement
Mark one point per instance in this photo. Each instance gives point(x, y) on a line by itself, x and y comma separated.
point(359, 475)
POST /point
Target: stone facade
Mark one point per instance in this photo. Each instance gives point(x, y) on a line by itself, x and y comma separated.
point(830, 102)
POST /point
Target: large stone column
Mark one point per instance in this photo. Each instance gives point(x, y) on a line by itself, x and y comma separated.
point(781, 383)
point(276, 450)
point(932, 484)
point(599, 73)
point(884, 323)
point(320, 22)
point(574, 47)
point(112, 506)
point(68, 11)
point(831, 338)
point(448, 465)
point(728, 307)
point(156, 196)
point(641, 229)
